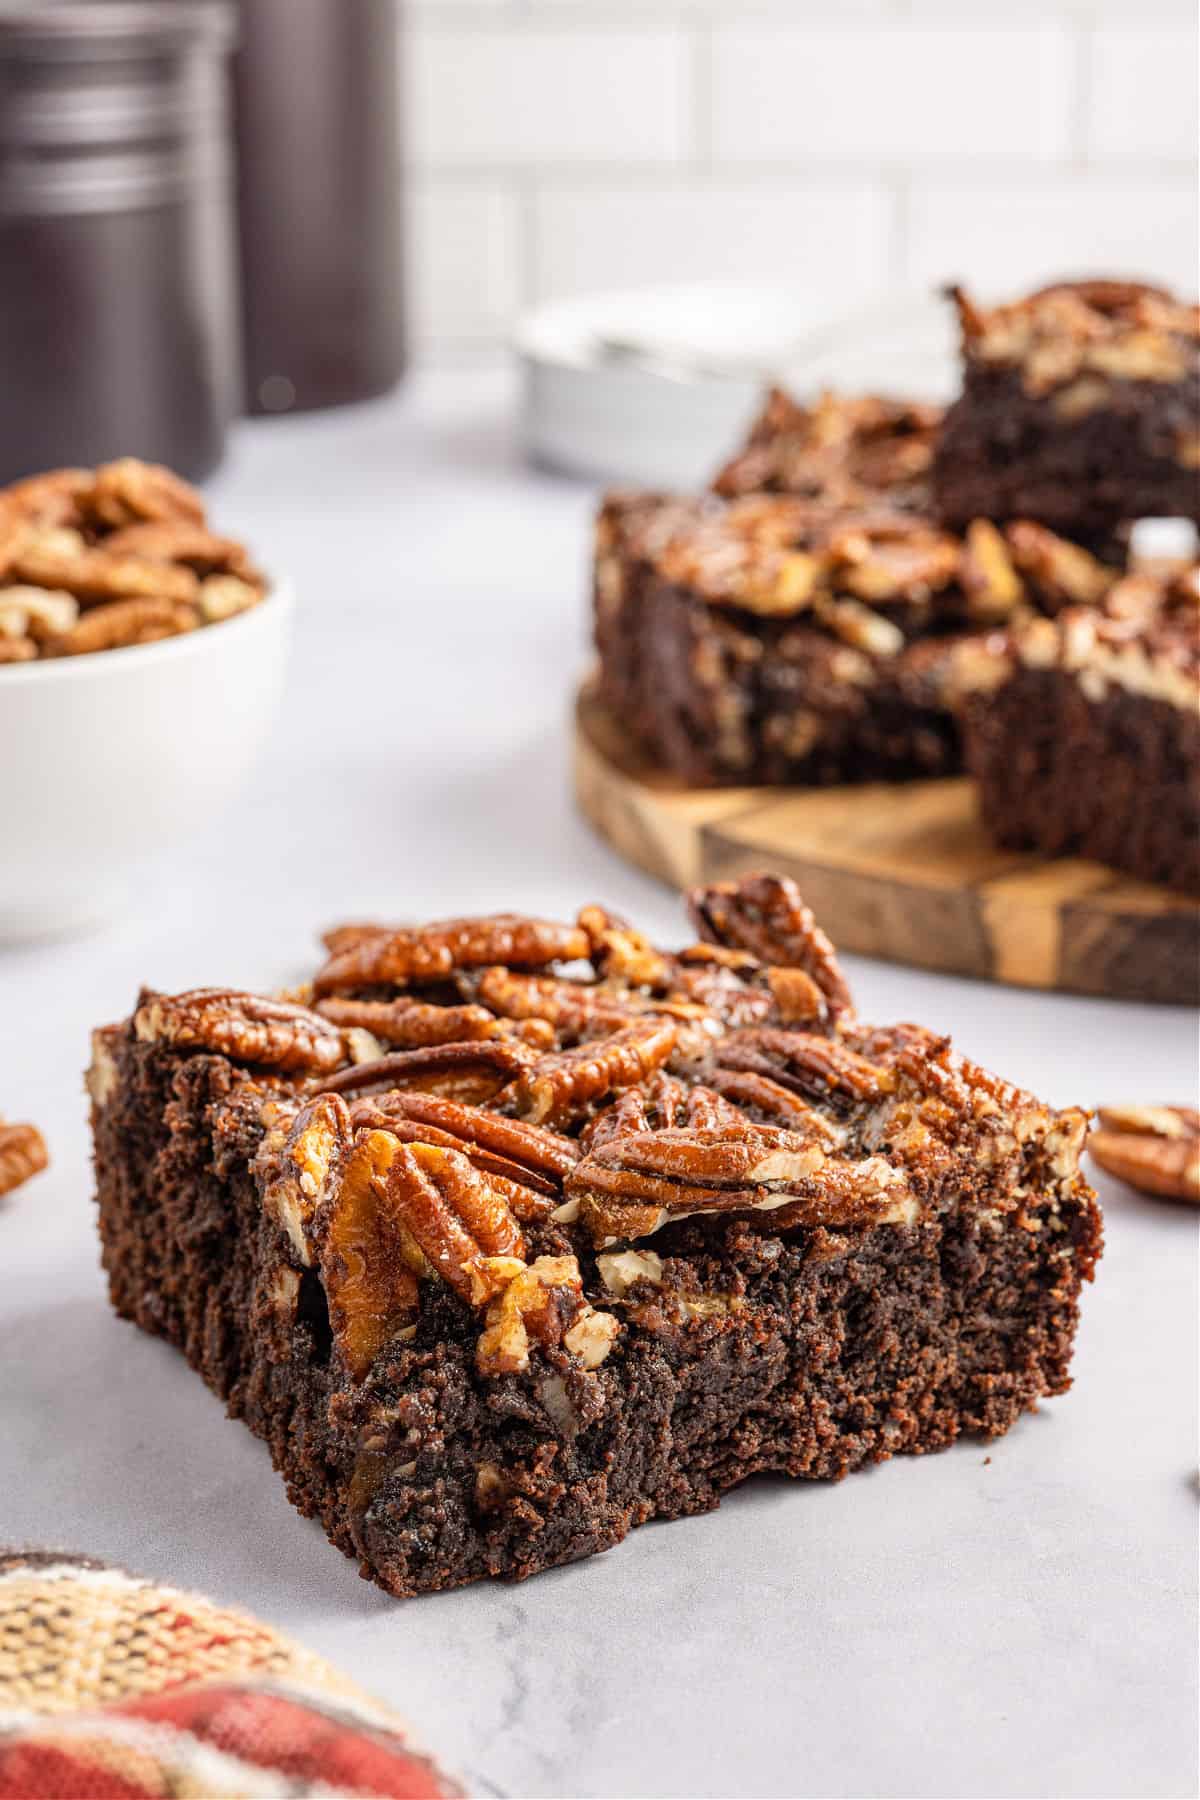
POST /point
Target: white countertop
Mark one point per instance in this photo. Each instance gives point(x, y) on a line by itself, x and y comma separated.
point(1016, 1618)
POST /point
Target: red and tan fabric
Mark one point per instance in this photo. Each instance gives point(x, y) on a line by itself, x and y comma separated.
point(113, 1688)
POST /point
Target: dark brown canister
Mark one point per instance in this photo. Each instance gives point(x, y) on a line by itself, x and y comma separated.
point(118, 308)
point(319, 201)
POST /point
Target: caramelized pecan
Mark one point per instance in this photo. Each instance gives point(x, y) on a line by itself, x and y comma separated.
point(619, 953)
point(561, 1087)
point(632, 1186)
point(369, 1262)
point(411, 1024)
point(538, 1152)
point(809, 1064)
point(470, 1072)
point(245, 1027)
point(766, 915)
point(658, 1105)
point(412, 955)
point(528, 1194)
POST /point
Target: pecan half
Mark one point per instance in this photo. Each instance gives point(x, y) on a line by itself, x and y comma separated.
point(471, 1072)
point(660, 1104)
point(126, 491)
point(530, 1195)
point(1156, 1149)
point(543, 1152)
point(244, 1027)
point(809, 1064)
point(633, 1186)
point(544, 1301)
point(123, 623)
point(369, 1264)
point(22, 1154)
point(766, 915)
point(180, 541)
point(573, 1009)
point(561, 1087)
point(411, 1024)
point(96, 574)
point(412, 955)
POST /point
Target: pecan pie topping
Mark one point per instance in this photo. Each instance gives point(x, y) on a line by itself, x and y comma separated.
point(729, 1083)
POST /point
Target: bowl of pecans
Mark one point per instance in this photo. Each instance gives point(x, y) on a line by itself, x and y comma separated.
point(141, 661)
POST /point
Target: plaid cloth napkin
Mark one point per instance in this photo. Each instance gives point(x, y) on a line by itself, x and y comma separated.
point(114, 1688)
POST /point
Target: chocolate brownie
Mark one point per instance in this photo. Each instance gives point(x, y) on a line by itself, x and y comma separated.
point(771, 640)
point(1083, 731)
point(1080, 410)
point(848, 450)
point(521, 1234)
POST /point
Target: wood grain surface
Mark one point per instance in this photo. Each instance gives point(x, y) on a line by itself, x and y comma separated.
point(902, 872)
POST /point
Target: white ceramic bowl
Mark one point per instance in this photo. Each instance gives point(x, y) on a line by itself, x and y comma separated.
point(656, 386)
point(108, 759)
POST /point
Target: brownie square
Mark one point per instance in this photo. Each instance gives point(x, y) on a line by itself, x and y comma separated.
point(1080, 410)
point(773, 640)
point(1083, 731)
point(520, 1234)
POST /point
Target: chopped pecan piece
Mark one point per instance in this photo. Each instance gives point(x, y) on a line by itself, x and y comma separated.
point(245, 1027)
point(299, 1158)
point(410, 1024)
point(123, 623)
point(632, 1186)
point(806, 1062)
point(619, 953)
point(1154, 1148)
point(987, 573)
point(542, 1300)
point(766, 915)
point(561, 1087)
point(412, 955)
point(22, 1154)
point(471, 1072)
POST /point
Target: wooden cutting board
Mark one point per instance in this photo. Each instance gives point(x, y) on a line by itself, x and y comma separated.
point(902, 872)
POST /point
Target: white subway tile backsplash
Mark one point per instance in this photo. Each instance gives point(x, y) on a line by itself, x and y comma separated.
point(826, 241)
point(901, 90)
point(1003, 237)
point(464, 262)
point(487, 95)
point(560, 146)
point(1143, 91)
